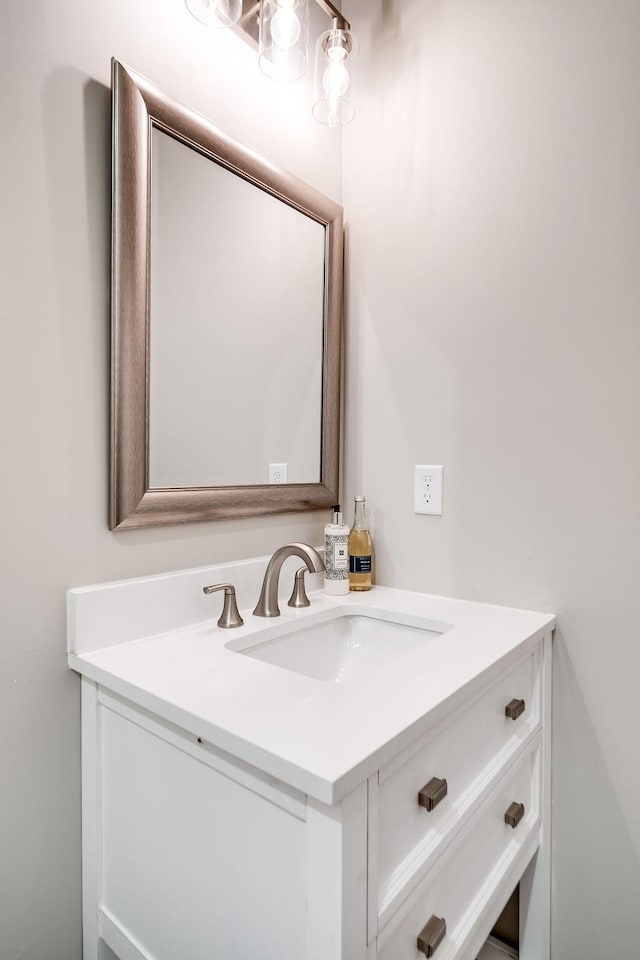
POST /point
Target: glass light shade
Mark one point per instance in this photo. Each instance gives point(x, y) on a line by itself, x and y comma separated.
point(283, 38)
point(215, 13)
point(332, 81)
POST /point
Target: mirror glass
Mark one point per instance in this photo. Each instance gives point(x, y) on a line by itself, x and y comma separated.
point(236, 327)
point(226, 323)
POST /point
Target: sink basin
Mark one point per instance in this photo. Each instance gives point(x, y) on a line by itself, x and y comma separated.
point(344, 648)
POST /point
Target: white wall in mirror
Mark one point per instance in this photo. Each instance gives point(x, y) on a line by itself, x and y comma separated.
point(236, 327)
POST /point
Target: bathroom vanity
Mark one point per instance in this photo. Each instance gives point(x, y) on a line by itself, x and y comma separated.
point(364, 778)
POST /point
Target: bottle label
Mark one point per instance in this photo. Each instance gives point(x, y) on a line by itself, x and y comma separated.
point(360, 564)
point(336, 557)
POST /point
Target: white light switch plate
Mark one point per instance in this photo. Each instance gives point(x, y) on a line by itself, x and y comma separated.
point(427, 493)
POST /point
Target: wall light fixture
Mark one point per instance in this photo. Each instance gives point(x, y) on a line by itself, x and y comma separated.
point(331, 103)
point(215, 13)
point(284, 38)
point(280, 28)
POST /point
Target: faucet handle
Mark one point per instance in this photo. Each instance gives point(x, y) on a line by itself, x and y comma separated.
point(299, 596)
point(230, 616)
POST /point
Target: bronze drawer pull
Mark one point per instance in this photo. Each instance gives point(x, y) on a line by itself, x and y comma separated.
point(514, 709)
point(431, 935)
point(431, 795)
point(514, 814)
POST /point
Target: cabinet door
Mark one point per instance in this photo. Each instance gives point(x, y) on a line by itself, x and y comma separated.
point(195, 866)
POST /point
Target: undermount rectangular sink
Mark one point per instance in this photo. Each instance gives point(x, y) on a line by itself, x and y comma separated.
point(344, 648)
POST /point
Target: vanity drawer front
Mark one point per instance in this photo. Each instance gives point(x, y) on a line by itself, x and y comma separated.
point(468, 752)
point(457, 889)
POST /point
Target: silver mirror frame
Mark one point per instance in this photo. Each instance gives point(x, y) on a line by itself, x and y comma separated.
point(138, 105)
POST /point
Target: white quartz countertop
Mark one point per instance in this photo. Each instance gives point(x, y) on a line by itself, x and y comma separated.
point(320, 737)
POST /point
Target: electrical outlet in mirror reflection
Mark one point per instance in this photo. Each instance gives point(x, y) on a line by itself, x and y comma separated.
point(278, 472)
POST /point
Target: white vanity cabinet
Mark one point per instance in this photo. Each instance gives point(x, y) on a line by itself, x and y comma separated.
point(191, 854)
point(217, 827)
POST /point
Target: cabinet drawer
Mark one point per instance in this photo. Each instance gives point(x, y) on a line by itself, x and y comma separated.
point(469, 751)
point(457, 889)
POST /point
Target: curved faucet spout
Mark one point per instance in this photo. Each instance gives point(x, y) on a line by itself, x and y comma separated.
point(268, 602)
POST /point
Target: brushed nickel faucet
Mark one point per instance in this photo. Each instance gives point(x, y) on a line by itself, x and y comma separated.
point(230, 616)
point(268, 602)
point(299, 596)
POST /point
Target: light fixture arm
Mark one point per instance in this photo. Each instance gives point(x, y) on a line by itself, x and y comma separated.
point(340, 22)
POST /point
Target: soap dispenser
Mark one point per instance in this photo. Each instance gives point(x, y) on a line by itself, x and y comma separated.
point(336, 555)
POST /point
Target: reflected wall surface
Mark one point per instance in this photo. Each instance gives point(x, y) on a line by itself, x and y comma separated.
point(236, 327)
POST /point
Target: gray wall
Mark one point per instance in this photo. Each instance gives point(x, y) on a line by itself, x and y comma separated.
point(493, 193)
point(54, 308)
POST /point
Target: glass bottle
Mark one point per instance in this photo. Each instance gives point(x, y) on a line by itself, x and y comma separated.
point(360, 548)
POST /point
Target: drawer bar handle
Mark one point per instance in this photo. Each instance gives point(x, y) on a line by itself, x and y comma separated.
point(514, 814)
point(431, 795)
point(514, 709)
point(431, 935)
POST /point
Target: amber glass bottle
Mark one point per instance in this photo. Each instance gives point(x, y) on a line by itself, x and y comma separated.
point(360, 549)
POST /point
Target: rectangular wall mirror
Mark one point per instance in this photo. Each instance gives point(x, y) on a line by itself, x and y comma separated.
point(226, 322)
